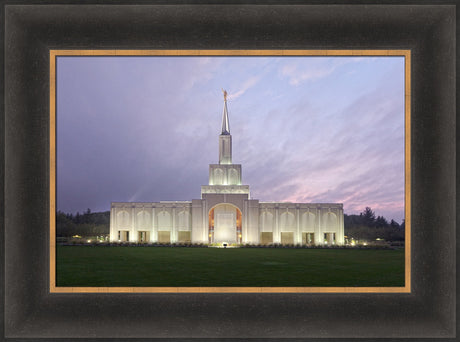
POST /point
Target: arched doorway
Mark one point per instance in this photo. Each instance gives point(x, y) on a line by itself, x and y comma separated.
point(225, 222)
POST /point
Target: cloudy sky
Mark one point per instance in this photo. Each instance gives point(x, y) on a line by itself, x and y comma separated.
point(305, 129)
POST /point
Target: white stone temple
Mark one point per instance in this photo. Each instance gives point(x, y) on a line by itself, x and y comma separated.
point(225, 214)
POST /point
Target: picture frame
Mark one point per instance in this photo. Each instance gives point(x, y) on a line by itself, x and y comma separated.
point(31, 311)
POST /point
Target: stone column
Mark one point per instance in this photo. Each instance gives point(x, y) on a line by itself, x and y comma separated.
point(341, 231)
point(132, 237)
point(154, 234)
point(319, 240)
point(112, 237)
point(276, 233)
point(211, 176)
point(205, 220)
point(113, 221)
point(244, 223)
point(298, 238)
point(173, 230)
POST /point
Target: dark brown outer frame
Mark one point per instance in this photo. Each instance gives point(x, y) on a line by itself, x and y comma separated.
point(30, 311)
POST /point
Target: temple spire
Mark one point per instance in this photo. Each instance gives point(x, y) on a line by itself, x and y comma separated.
point(225, 138)
point(225, 124)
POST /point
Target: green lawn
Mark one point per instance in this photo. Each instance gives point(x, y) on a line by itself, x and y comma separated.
point(166, 266)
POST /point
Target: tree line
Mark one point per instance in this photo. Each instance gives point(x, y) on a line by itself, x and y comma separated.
point(85, 224)
point(365, 226)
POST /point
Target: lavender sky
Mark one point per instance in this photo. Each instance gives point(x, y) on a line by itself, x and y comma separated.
point(305, 129)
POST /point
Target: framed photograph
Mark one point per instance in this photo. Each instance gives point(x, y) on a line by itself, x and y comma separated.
point(291, 137)
point(39, 37)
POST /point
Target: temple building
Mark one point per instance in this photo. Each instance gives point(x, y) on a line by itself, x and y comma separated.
point(226, 214)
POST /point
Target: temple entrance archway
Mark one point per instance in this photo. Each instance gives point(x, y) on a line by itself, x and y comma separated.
point(225, 222)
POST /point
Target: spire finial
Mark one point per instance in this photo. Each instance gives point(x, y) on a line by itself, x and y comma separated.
point(225, 124)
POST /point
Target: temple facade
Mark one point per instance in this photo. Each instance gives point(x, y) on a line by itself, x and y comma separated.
point(225, 213)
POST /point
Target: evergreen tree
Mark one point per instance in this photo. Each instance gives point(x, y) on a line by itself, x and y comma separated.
point(368, 217)
point(381, 222)
point(394, 224)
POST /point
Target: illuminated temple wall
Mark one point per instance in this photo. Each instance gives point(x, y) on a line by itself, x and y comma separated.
point(262, 222)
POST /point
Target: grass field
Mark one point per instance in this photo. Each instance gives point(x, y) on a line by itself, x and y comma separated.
point(165, 266)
